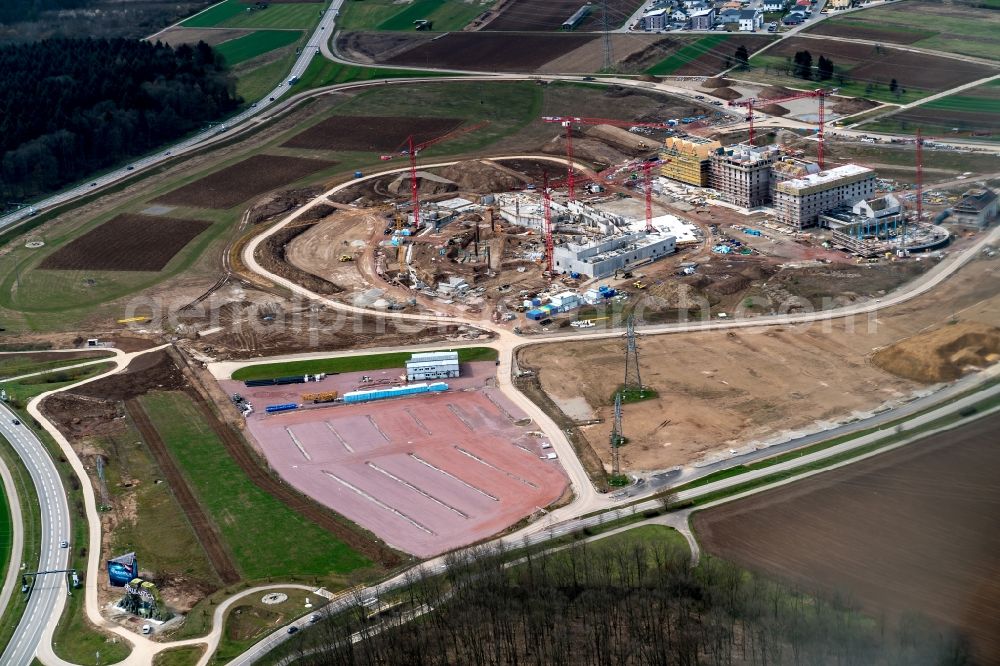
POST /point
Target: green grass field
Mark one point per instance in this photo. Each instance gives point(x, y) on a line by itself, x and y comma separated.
point(771, 69)
point(322, 72)
point(182, 656)
point(256, 43)
point(6, 534)
point(149, 521)
point(971, 112)
point(962, 28)
point(50, 291)
point(20, 391)
point(21, 364)
point(236, 14)
point(447, 15)
point(686, 54)
point(350, 364)
point(265, 536)
point(215, 15)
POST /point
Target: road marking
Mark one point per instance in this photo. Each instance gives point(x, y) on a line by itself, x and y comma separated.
point(379, 503)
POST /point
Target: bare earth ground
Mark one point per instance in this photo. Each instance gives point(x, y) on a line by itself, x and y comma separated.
point(726, 390)
point(910, 530)
point(211, 36)
point(425, 473)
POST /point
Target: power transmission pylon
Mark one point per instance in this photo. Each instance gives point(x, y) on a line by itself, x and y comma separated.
point(616, 435)
point(608, 54)
point(633, 381)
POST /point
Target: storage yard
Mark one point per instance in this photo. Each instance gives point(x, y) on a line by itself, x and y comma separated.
point(426, 473)
point(908, 533)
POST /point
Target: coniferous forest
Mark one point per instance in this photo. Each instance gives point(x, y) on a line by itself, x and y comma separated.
point(71, 107)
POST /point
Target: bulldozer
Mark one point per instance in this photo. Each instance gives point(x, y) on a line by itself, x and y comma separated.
point(346, 257)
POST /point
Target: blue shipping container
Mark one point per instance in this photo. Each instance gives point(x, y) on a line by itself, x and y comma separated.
point(536, 302)
point(534, 314)
point(396, 392)
point(288, 406)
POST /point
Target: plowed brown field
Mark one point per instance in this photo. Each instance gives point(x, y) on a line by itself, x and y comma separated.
point(243, 180)
point(914, 529)
point(487, 52)
point(126, 243)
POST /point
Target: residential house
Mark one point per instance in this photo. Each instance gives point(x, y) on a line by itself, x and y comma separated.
point(655, 20)
point(751, 20)
point(729, 16)
point(703, 20)
point(773, 5)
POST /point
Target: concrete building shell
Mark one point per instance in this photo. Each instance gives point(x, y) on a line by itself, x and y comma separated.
point(800, 201)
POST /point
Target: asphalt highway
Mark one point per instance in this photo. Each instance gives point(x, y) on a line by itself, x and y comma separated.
point(49, 592)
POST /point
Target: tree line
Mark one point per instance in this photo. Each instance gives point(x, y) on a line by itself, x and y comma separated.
point(73, 106)
point(12, 11)
point(632, 603)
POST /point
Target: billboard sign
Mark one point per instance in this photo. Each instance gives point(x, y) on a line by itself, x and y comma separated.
point(122, 569)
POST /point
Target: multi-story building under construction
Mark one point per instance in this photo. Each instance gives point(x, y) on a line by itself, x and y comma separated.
point(687, 159)
point(742, 173)
point(800, 201)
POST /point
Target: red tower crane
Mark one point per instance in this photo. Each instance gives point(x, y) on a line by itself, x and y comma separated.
point(547, 220)
point(820, 94)
point(413, 148)
point(569, 121)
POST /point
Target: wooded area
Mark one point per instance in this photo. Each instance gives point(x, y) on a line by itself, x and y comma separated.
point(635, 602)
point(73, 106)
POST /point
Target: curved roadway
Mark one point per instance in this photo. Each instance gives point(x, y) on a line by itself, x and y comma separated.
point(34, 633)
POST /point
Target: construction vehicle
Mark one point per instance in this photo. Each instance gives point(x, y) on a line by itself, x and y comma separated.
point(319, 398)
point(346, 257)
point(134, 320)
point(639, 284)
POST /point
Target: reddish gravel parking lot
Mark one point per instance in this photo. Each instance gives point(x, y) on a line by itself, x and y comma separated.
point(425, 473)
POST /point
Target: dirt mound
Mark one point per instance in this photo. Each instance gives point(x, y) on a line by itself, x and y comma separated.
point(942, 354)
point(282, 202)
point(483, 176)
point(588, 150)
point(772, 92)
point(850, 105)
point(773, 110)
point(427, 184)
point(620, 138)
point(726, 93)
point(716, 82)
point(149, 372)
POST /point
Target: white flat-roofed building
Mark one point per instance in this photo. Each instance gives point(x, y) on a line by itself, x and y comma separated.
point(800, 201)
point(432, 365)
point(602, 257)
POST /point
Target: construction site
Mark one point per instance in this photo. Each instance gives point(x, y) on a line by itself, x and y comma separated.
point(664, 211)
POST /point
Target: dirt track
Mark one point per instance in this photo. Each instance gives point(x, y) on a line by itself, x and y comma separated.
point(911, 530)
point(204, 529)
